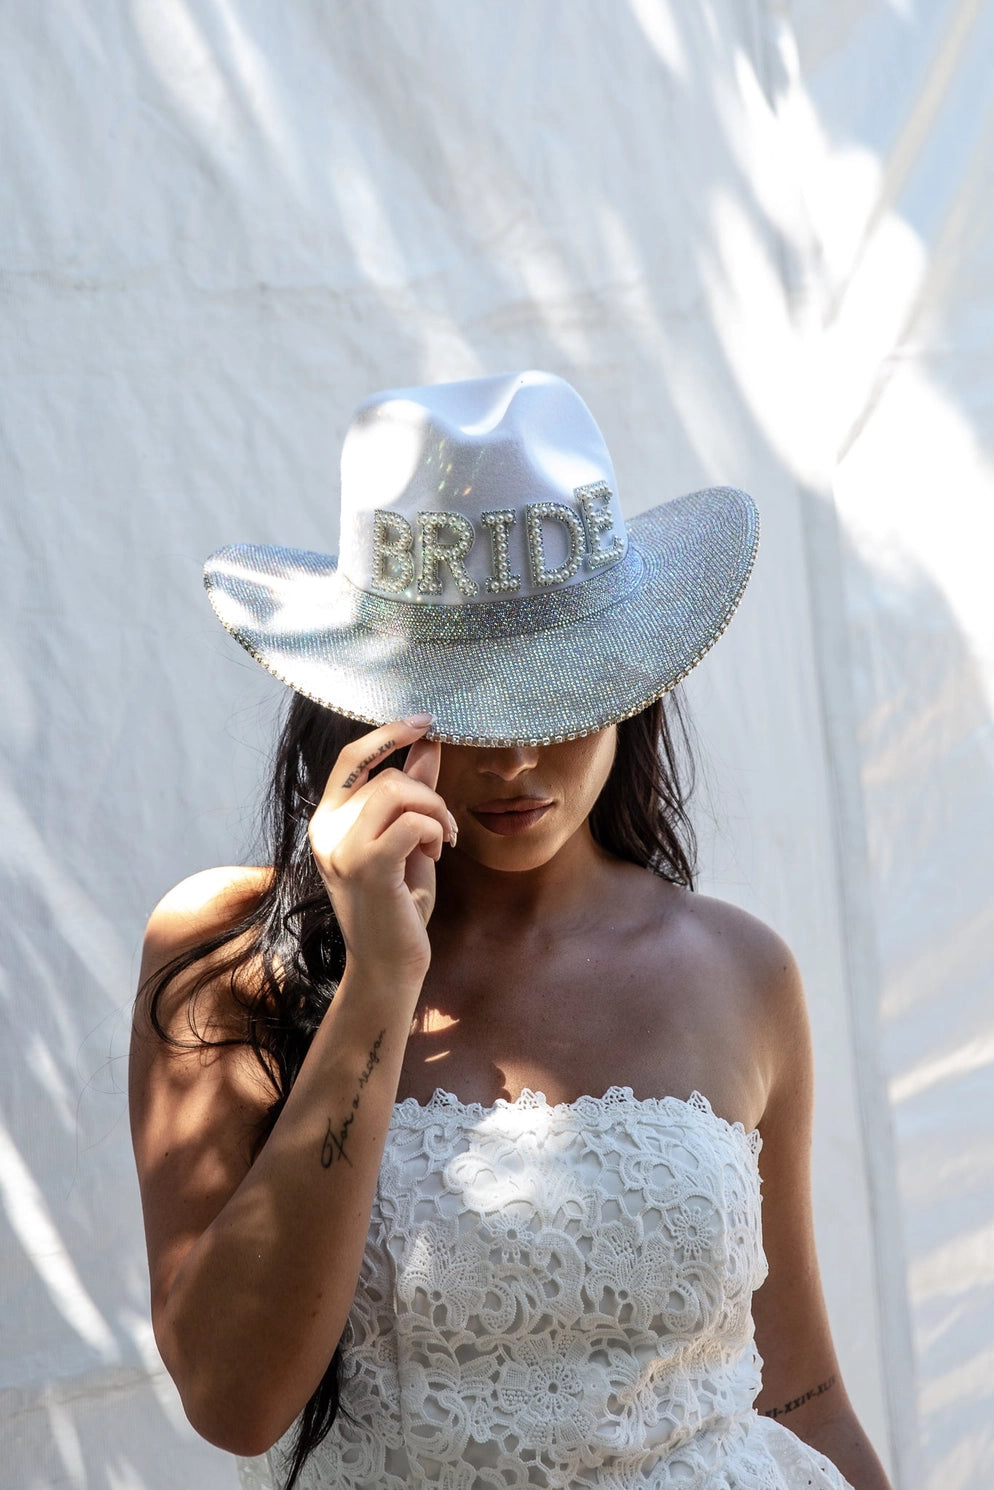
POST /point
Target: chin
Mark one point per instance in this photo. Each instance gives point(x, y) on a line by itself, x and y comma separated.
point(512, 854)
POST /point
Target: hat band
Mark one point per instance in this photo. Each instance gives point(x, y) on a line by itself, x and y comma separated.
point(420, 622)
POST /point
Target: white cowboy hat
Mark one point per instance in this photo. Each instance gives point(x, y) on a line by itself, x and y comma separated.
point(487, 576)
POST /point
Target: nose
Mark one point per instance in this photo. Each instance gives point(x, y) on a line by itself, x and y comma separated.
point(507, 764)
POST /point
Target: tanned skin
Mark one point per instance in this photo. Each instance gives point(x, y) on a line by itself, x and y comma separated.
point(611, 977)
point(333, 1147)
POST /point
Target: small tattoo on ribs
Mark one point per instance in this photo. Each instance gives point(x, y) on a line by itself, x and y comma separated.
point(823, 1386)
point(333, 1148)
point(353, 776)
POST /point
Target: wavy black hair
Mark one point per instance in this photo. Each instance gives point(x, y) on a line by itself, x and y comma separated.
point(294, 945)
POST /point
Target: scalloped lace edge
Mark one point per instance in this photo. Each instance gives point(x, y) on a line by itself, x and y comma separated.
point(442, 1101)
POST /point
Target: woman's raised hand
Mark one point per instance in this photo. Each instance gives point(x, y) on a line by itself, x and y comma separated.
point(255, 1260)
point(376, 842)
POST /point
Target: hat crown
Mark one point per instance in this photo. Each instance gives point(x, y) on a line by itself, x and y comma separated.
point(471, 491)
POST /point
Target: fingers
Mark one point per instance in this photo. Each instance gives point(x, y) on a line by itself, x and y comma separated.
point(376, 839)
point(423, 761)
point(410, 831)
point(352, 768)
point(394, 793)
point(357, 808)
point(416, 842)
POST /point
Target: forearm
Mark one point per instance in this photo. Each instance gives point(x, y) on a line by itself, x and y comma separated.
point(842, 1440)
point(260, 1301)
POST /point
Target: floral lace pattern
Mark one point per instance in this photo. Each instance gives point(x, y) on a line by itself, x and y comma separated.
point(558, 1296)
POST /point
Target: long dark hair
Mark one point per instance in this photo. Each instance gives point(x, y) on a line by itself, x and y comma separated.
point(291, 937)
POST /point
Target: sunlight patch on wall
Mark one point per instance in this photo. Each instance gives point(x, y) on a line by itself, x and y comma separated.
point(660, 32)
point(974, 1055)
point(32, 1224)
point(745, 274)
point(915, 491)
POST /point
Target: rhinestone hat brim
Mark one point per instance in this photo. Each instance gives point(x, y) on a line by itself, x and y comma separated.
point(533, 670)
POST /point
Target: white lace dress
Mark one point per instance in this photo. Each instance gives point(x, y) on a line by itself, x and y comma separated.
point(558, 1296)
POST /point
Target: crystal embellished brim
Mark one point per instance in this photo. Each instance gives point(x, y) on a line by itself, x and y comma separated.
point(528, 670)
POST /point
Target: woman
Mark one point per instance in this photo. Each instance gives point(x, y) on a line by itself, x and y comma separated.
point(418, 1107)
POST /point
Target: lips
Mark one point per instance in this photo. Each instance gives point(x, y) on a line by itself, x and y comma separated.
point(511, 815)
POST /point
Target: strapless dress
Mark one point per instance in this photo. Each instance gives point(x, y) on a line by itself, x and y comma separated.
point(558, 1296)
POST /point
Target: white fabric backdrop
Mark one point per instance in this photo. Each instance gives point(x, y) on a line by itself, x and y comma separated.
point(889, 109)
point(752, 236)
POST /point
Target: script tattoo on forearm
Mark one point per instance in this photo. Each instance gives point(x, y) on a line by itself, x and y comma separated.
point(353, 776)
point(333, 1148)
point(823, 1386)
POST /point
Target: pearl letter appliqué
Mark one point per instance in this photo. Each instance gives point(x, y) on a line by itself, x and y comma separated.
point(502, 581)
point(535, 513)
point(595, 504)
point(434, 553)
point(393, 560)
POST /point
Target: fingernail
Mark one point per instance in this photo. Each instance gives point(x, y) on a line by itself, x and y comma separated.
point(419, 721)
point(453, 830)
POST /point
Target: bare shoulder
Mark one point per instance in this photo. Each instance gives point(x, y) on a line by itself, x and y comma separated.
point(705, 943)
point(770, 983)
point(202, 905)
point(738, 993)
point(193, 912)
point(757, 952)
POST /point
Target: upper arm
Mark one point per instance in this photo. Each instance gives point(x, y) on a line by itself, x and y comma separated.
point(195, 1109)
point(792, 1329)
